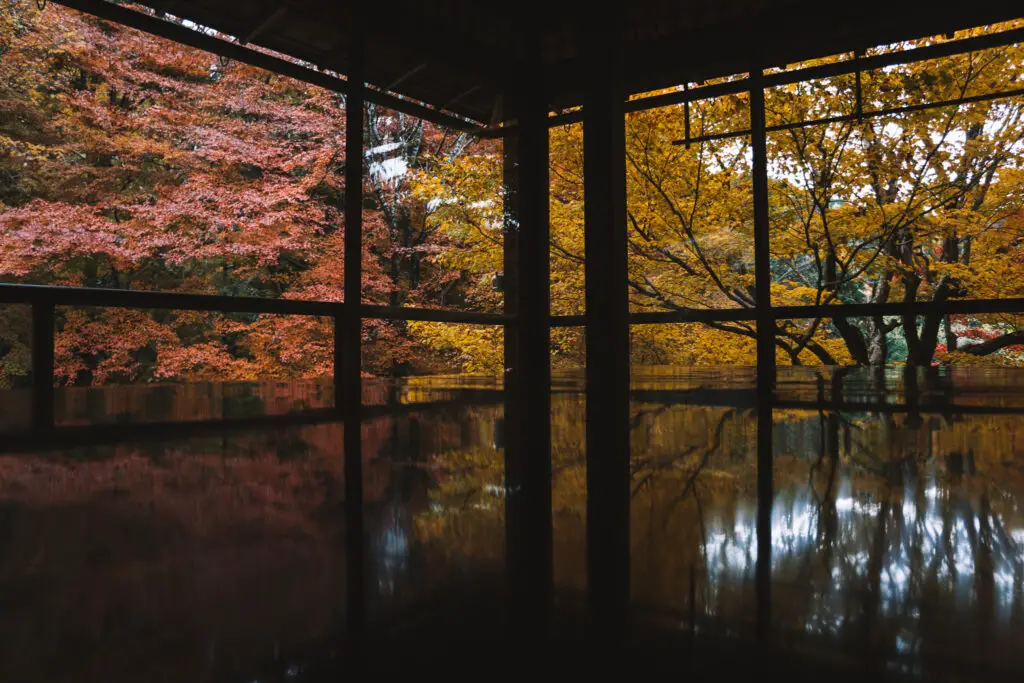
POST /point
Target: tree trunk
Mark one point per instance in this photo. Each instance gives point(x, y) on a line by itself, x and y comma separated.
point(854, 340)
point(951, 340)
point(395, 297)
point(851, 335)
point(878, 343)
point(876, 561)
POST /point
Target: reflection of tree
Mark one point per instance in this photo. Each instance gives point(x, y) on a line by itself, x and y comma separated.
point(232, 548)
point(644, 469)
point(898, 532)
point(691, 467)
point(891, 529)
point(226, 548)
point(915, 523)
point(442, 517)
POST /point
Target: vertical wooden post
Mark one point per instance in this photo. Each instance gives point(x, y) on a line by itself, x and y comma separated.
point(515, 542)
point(762, 239)
point(42, 364)
point(607, 330)
point(528, 460)
point(351, 338)
point(338, 360)
point(765, 352)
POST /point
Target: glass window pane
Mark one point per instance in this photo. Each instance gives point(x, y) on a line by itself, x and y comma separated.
point(446, 349)
point(981, 340)
point(138, 163)
point(689, 208)
point(139, 365)
point(566, 220)
point(15, 345)
point(15, 367)
point(923, 205)
point(660, 346)
point(99, 346)
point(569, 458)
point(969, 74)
point(433, 216)
point(809, 100)
point(934, 340)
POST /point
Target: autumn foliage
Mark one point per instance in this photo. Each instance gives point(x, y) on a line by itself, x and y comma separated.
point(916, 205)
point(131, 162)
point(128, 161)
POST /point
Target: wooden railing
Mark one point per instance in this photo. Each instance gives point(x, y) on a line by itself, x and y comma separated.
point(43, 300)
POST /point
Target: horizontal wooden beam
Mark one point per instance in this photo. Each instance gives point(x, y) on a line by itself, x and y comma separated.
point(375, 312)
point(953, 307)
point(133, 298)
point(707, 53)
point(120, 298)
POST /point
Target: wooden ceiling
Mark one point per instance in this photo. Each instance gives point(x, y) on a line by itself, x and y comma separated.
point(458, 55)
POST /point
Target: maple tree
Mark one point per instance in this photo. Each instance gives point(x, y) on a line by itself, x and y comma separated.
point(919, 205)
point(131, 162)
point(916, 206)
point(419, 249)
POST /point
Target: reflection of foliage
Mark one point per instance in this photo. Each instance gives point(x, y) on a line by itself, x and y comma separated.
point(569, 489)
point(909, 525)
point(698, 436)
point(466, 515)
point(915, 521)
point(692, 468)
point(218, 545)
point(467, 479)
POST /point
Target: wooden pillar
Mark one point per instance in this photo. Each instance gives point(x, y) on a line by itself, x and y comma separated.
point(528, 364)
point(765, 353)
point(515, 543)
point(607, 330)
point(42, 364)
point(351, 339)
